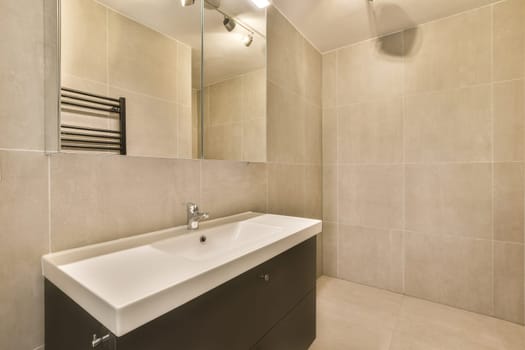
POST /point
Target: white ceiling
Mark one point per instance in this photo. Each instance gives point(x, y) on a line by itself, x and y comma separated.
point(330, 24)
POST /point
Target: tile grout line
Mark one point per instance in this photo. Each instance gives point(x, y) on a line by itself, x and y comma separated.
point(49, 204)
point(492, 122)
point(403, 155)
point(337, 169)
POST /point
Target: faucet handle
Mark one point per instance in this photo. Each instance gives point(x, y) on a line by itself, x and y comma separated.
point(192, 207)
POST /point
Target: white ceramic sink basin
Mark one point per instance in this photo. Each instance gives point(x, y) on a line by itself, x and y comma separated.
point(124, 284)
point(218, 241)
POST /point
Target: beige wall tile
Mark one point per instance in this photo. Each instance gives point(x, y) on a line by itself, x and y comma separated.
point(254, 140)
point(453, 52)
point(185, 137)
point(509, 281)
point(24, 237)
point(330, 243)
point(96, 198)
point(83, 40)
point(233, 187)
point(371, 195)
point(371, 132)
point(371, 257)
point(509, 40)
point(183, 76)
point(313, 65)
point(508, 202)
point(22, 75)
point(254, 94)
point(509, 117)
point(313, 192)
point(329, 79)
point(226, 102)
point(313, 138)
point(453, 125)
point(366, 73)
point(451, 270)
point(329, 129)
point(152, 126)
point(141, 59)
point(286, 126)
point(223, 142)
point(286, 189)
point(452, 199)
point(285, 53)
point(330, 193)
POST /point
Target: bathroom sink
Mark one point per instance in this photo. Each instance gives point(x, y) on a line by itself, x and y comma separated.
point(218, 241)
point(127, 283)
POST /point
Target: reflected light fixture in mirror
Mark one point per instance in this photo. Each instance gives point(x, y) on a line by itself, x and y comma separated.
point(261, 3)
point(185, 3)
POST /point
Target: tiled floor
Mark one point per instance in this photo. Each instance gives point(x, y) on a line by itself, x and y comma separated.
point(352, 316)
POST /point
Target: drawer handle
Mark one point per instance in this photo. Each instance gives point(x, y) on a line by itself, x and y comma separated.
point(97, 341)
point(265, 277)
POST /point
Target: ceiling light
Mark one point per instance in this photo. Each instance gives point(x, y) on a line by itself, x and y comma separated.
point(247, 40)
point(229, 23)
point(185, 3)
point(261, 3)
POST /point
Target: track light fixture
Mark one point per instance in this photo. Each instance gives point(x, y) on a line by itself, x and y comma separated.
point(186, 3)
point(229, 23)
point(247, 39)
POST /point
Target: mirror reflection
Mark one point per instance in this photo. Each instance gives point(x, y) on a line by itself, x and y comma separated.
point(128, 69)
point(234, 101)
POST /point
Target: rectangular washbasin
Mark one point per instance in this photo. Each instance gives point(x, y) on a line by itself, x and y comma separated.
point(127, 283)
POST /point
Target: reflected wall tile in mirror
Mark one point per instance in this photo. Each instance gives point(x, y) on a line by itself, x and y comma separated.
point(141, 59)
point(84, 39)
point(152, 125)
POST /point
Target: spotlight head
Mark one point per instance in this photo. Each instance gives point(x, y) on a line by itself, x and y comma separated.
point(229, 23)
point(186, 3)
point(247, 40)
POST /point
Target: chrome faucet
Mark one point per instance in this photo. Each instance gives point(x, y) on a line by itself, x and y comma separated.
point(195, 216)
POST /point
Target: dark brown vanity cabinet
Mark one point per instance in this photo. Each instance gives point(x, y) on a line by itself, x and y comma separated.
point(270, 307)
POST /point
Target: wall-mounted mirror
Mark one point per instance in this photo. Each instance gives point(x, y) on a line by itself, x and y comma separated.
point(234, 80)
point(128, 69)
point(132, 80)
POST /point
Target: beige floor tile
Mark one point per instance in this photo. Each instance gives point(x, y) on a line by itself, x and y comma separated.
point(351, 316)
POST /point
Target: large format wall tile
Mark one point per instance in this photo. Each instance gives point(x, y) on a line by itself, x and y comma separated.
point(451, 270)
point(330, 193)
point(329, 82)
point(286, 125)
point(285, 53)
point(452, 125)
point(286, 189)
point(453, 52)
point(509, 119)
point(233, 187)
point(509, 40)
point(140, 59)
point(509, 281)
point(508, 202)
point(371, 132)
point(329, 129)
point(22, 75)
point(366, 73)
point(24, 237)
point(371, 195)
point(371, 256)
point(453, 199)
point(330, 249)
point(151, 125)
point(100, 198)
point(84, 43)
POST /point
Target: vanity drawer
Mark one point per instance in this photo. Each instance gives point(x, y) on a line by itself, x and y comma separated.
point(283, 283)
point(294, 332)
